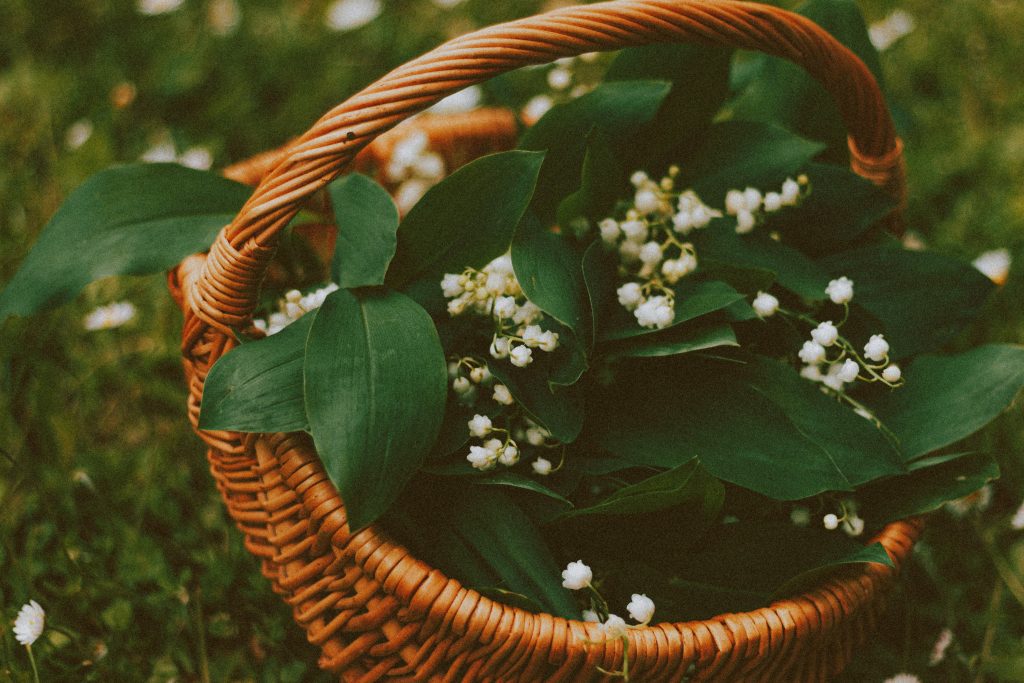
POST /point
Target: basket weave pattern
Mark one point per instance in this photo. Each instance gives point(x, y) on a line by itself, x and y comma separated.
point(376, 611)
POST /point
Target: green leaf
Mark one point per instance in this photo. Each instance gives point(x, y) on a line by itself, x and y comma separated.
point(874, 553)
point(490, 522)
point(786, 94)
point(792, 270)
point(744, 566)
point(700, 84)
point(375, 387)
point(367, 221)
point(549, 269)
point(759, 425)
point(689, 485)
point(736, 154)
point(693, 299)
point(602, 182)
point(558, 409)
point(518, 481)
point(922, 299)
point(257, 387)
point(466, 220)
point(599, 270)
point(927, 489)
point(840, 208)
point(948, 398)
point(128, 220)
point(681, 339)
point(618, 109)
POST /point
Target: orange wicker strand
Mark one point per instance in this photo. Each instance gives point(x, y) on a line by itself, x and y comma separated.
point(379, 613)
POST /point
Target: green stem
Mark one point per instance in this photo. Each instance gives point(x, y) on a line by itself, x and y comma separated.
point(32, 660)
point(1006, 573)
point(990, 631)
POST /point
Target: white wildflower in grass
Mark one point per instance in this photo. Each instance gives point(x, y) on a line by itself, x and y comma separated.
point(640, 608)
point(765, 305)
point(198, 158)
point(902, 678)
point(995, 265)
point(590, 616)
point(853, 525)
point(110, 316)
point(461, 385)
point(464, 100)
point(223, 16)
point(1017, 522)
point(883, 34)
point(78, 133)
point(154, 7)
point(840, 290)
point(656, 312)
point(348, 15)
point(614, 627)
point(29, 624)
point(162, 152)
point(830, 521)
point(521, 356)
point(541, 466)
point(577, 576)
point(942, 643)
point(508, 455)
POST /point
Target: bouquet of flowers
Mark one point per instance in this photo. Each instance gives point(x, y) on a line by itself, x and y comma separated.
point(663, 361)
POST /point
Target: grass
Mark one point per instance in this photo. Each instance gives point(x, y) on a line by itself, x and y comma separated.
point(108, 516)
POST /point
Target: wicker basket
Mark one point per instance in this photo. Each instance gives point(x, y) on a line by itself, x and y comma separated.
point(376, 611)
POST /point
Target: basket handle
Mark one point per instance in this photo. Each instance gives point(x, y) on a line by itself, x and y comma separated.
point(224, 294)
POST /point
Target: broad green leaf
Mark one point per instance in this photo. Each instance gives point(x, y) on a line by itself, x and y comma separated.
point(784, 93)
point(924, 490)
point(873, 553)
point(676, 340)
point(257, 387)
point(618, 109)
point(759, 425)
point(599, 271)
point(744, 566)
point(518, 481)
point(700, 84)
point(746, 279)
point(375, 387)
point(689, 484)
point(737, 154)
point(840, 208)
point(603, 181)
point(792, 270)
point(922, 299)
point(489, 521)
point(466, 220)
point(549, 269)
point(692, 300)
point(558, 409)
point(367, 221)
point(128, 220)
point(948, 398)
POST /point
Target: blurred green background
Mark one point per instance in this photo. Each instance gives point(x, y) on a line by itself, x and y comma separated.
point(108, 516)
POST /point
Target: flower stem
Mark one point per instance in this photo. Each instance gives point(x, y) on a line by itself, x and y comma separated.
point(32, 660)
